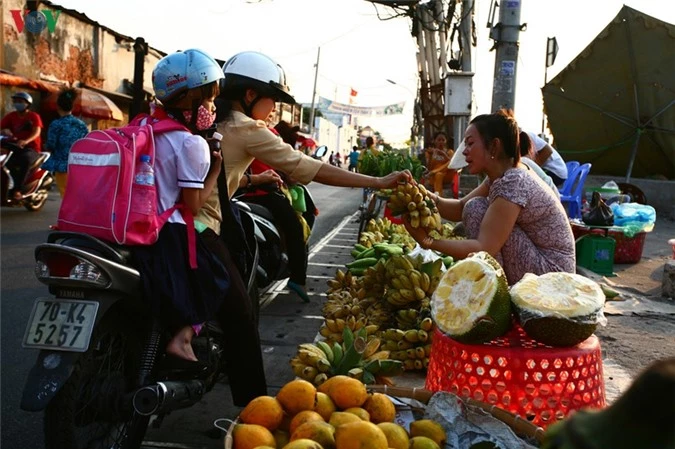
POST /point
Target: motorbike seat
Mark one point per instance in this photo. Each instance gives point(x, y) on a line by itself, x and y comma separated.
point(261, 211)
point(116, 253)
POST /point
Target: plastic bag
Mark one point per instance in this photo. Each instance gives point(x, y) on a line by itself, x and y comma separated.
point(633, 212)
point(599, 214)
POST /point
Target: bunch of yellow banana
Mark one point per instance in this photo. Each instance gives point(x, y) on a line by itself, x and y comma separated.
point(413, 200)
point(380, 225)
point(415, 358)
point(342, 305)
point(373, 280)
point(407, 318)
point(341, 281)
point(332, 329)
point(368, 239)
point(380, 313)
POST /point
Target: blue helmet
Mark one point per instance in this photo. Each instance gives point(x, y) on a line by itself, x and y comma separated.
point(23, 96)
point(183, 70)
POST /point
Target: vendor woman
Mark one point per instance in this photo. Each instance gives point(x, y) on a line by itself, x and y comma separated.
point(512, 215)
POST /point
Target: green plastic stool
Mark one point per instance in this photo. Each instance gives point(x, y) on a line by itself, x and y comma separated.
point(596, 253)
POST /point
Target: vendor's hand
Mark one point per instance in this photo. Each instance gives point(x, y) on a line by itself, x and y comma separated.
point(21, 143)
point(393, 179)
point(418, 234)
point(270, 176)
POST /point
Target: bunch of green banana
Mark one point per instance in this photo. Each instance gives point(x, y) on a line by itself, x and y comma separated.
point(411, 346)
point(358, 267)
point(378, 251)
point(355, 357)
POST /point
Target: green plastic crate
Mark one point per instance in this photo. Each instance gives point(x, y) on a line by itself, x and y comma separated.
point(596, 253)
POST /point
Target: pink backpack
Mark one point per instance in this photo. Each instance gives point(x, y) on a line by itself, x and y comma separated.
point(101, 188)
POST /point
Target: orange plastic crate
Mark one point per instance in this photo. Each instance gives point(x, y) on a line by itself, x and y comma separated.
point(538, 382)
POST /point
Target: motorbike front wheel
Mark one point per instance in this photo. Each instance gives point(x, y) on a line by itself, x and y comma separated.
point(90, 411)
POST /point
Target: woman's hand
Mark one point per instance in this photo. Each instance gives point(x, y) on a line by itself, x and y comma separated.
point(393, 179)
point(418, 234)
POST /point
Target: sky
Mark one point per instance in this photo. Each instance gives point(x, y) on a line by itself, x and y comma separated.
point(358, 50)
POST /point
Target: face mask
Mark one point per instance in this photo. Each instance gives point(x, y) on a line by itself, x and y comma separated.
point(20, 106)
point(204, 118)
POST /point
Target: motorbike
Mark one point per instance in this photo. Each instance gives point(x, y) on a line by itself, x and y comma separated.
point(101, 372)
point(38, 180)
point(270, 241)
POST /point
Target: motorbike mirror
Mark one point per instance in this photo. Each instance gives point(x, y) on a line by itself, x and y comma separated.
point(321, 151)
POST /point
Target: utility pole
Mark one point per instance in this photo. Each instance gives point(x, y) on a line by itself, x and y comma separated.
point(465, 38)
point(505, 35)
point(316, 75)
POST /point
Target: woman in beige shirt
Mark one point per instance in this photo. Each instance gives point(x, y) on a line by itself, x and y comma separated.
point(253, 85)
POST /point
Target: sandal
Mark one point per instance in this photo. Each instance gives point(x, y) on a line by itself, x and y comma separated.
point(299, 290)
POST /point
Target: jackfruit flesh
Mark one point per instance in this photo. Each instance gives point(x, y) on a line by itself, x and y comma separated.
point(560, 294)
point(471, 303)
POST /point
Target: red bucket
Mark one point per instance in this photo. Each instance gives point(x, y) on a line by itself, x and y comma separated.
point(538, 382)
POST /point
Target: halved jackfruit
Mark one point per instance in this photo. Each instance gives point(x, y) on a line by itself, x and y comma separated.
point(472, 303)
point(558, 309)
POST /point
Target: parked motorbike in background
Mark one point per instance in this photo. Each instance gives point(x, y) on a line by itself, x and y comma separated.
point(38, 180)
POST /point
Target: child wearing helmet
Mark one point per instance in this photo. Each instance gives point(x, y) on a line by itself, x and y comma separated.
point(186, 84)
point(252, 86)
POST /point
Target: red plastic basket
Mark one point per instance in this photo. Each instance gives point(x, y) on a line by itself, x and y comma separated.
point(627, 250)
point(387, 214)
point(514, 372)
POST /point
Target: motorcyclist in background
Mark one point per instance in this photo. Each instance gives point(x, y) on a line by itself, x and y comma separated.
point(25, 127)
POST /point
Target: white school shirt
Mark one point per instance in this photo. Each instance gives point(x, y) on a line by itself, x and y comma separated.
point(181, 160)
point(555, 163)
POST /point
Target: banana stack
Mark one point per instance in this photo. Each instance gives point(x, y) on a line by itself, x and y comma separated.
point(413, 200)
point(368, 239)
point(393, 233)
point(356, 357)
point(342, 282)
point(408, 284)
point(412, 346)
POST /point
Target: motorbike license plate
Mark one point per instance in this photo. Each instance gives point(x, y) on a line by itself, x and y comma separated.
point(61, 325)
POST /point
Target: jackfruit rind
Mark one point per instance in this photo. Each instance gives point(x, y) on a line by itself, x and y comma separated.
point(558, 309)
point(558, 294)
point(472, 303)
